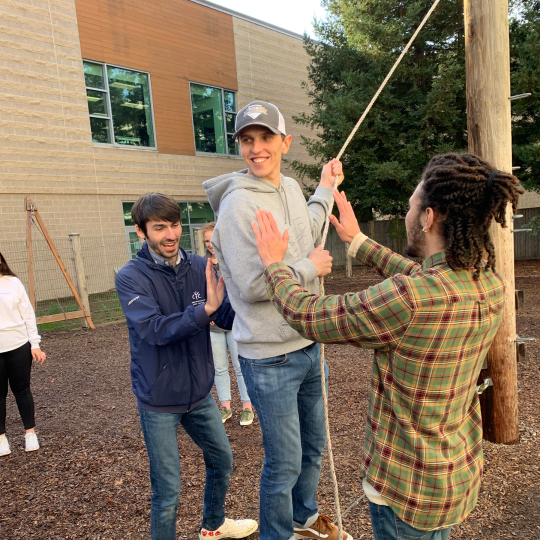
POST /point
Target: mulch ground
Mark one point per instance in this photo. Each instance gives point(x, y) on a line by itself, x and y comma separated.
point(90, 478)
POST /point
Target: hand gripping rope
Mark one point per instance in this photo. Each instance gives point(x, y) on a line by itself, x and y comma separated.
point(323, 242)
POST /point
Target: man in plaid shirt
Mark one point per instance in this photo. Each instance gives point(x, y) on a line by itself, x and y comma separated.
point(430, 325)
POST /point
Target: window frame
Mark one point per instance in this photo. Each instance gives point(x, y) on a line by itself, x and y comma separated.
point(224, 111)
point(105, 90)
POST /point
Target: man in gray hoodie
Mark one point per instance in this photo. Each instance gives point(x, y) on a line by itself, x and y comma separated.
point(281, 369)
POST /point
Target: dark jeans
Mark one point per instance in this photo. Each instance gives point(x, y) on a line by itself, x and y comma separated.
point(15, 367)
point(287, 395)
point(387, 526)
point(204, 425)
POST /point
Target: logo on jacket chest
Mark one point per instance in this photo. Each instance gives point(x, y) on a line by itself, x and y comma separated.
point(196, 298)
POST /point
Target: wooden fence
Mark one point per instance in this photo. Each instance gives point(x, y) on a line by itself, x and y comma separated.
point(526, 245)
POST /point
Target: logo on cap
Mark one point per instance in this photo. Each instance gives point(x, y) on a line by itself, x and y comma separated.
point(255, 111)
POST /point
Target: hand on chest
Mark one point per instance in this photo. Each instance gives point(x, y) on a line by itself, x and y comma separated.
point(300, 241)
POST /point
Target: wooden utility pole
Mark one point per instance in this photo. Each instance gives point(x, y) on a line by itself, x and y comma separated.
point(487, 54)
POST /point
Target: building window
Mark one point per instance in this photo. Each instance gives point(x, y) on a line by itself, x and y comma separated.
point(119, 105)
point(193, 215)
point(214, 115)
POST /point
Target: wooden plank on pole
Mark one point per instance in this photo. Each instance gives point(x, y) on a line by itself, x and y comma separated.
point(520, 300)
point(60, 317)
point(29, 205)
point(487, 58)
point(62, 268)
point(521, 352)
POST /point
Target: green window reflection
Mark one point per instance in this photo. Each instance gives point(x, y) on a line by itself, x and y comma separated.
point(200, 213)
point(214, 116)
point(130, 107)
point(135, 244)
point(207, 108)
point(233, 146)
point(230, 101)
point(93, 75)
point(126, 208)
point(97, 102)
point(184, 212)
point(100, 130)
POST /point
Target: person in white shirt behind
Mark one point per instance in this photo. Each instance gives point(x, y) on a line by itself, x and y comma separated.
point(19, 344)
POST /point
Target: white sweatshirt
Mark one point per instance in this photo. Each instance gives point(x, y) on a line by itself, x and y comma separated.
point(17, 318)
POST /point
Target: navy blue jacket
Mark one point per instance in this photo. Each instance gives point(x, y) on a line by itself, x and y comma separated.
point(169, 332)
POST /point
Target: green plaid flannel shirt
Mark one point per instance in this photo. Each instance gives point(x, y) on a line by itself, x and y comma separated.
point(431, 328)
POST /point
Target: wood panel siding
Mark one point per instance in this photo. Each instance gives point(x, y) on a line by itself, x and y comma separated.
point(176, 41)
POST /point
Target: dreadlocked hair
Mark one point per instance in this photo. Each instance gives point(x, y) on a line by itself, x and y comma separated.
point(455, 186)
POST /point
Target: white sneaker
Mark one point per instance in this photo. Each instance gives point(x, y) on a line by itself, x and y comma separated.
point(4, 446)
point(231, 529)
point(31, 442)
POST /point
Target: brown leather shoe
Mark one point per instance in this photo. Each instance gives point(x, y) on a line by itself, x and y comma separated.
point(322, 529)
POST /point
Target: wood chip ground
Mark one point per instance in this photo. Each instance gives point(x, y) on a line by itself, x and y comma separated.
point(90, 478)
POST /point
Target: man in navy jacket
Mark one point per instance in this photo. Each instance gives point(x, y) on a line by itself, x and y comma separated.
point(169, 298)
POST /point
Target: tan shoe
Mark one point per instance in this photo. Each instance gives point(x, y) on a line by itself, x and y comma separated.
point(322, 529)
point(240, 528)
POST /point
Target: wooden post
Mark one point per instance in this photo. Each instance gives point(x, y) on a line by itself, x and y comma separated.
point(487, 57)
point(75, 239)
point(52, 247)
point(30, 252)
point(372, 230)
point(200, 248)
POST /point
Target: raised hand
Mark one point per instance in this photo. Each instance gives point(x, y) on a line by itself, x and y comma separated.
point(322, 260)
point(215, 291)
point(347, 225)
point(271, 245)
point(332, 169)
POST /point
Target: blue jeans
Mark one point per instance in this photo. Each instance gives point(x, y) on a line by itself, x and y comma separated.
point(286, 393)
point(220, 340)
point(387, 526)
point(203, 424)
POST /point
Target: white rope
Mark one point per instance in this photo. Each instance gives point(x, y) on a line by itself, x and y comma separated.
point(398, 61)
point(323, 242)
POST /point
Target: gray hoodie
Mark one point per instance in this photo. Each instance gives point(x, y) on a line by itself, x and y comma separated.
point(258, 328)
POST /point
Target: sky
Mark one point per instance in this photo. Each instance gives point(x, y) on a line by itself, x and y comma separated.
point(294, 15)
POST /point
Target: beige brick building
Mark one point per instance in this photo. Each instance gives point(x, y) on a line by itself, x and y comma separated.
point(47, 150)
point(102, 101)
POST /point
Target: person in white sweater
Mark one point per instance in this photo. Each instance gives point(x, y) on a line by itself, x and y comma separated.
point(19, 344)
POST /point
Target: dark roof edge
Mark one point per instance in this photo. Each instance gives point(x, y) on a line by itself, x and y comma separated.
point(239, 15)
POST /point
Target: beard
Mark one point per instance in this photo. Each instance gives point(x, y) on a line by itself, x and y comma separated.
point(416, 241)
point(157, 249)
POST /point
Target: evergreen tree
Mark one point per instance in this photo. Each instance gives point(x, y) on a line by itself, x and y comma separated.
point(421, 112)
point(525, 66)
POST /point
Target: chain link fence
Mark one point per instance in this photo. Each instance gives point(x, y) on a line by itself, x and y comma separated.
point(102, 258)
